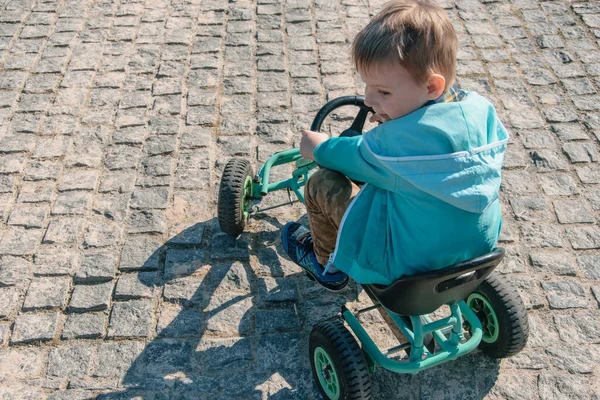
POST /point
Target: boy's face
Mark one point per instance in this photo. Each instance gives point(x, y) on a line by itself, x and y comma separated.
point(392, 92)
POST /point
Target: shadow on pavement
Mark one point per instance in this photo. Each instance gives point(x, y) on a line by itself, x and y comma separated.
point(229, 328)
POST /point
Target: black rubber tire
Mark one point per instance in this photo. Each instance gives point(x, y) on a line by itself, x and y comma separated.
point(511, 314)
point(231, 193)
point(347, 357)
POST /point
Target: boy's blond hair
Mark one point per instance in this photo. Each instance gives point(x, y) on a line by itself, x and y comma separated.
point(417, 34)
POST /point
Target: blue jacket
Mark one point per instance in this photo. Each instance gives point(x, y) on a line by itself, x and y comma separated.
point(430, 197)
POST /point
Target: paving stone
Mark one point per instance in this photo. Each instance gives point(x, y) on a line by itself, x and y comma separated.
point(112, 206)
point(84, 326)
point(122, 157)
point(572, 360)
point(581, 152)
point(565, 294)
point(555, 263)
point(7, 183)
point(133, 286)
point(96, 267)
point(28, 216)
point(589, 174)
point(278, 350)
point(101, 235)
point(277, 290)
point(139, 253)
point(63, 230)
point(185, 291)
point(14, 271)
point(146, 221)
point(590, 265)
point(20, 242)
point(552, 386)
point(573, 211)
point(71, 203)
point(69, 362)
point(117, 181)
point(268, 321)
point(217, 354)
point(130, 319)
point(584, 237)
point(150, 198)
point(36, 192)
point(46, 293)
point(538, 235)
point(569, 132)
point(530, 209)
point(579, 328)
point(229, 315)
point(115, 358)
point(34, 327)
point(186, 235)
point(78, 180)
point(180, 263)
point(175, 321)
point(22, 363)
point(558, 184)
point(94, 297)
point(9, 301)
point(224, 246)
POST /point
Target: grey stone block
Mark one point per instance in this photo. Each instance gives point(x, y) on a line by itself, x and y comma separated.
point(91, 297)
point(130, 319)
point(69, 362)
point(22, 363)
point(9, 297)
point(72, 203)
point(34, 327)
point(84, 326)
point(20, 242)
point(146, 221)
point(63, 230)
point(139, 253)
point(101, 235)
point(96, 267)
point(268, 321)
point(115, 358)
point(565, 294)
point(134, 286)
point(14, 271)
point(47, 293)
point(557, 387)
point(174, 321)
point(180, 263)
point(590, 265)
point(223, 353)
point(556, 263)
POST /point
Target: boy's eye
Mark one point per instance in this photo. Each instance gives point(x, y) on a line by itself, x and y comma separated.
point(384, 93)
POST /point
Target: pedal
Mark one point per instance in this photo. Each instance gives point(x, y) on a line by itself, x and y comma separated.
point(302, 162)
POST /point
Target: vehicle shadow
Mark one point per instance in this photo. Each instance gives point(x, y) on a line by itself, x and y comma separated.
point(234, 317)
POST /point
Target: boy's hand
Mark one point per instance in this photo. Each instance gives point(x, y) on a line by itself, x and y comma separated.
point(310, 140)
point(380, 119)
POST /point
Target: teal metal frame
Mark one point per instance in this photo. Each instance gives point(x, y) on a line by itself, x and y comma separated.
point(295, 183)
point(421, 358)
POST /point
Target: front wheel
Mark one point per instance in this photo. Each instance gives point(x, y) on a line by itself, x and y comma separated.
point(338, 363)
point(235, 192)
point(503, 317)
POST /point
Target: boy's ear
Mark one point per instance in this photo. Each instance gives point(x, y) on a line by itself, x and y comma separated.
point(435, 86)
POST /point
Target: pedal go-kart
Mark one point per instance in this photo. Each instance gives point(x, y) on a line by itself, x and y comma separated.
point(485, 311)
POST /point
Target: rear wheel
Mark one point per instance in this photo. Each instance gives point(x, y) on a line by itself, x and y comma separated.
point(338, 363)
point(503, 317)
point(235, 192)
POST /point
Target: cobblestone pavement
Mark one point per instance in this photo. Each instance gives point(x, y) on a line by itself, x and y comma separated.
point(116, 118)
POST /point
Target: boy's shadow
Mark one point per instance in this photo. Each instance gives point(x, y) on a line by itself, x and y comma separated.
point(228, 327)
point(234, 318)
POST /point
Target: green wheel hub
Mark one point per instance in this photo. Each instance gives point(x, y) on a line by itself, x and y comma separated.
point(246, 195)
point(328, 378)
point(486, 314)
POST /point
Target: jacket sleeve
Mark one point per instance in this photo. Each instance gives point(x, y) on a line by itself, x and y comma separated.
point(350, 156)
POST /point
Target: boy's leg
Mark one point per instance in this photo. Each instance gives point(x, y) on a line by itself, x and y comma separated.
point(327, 196)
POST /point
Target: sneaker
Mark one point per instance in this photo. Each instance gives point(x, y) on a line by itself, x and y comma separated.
point(297, 243)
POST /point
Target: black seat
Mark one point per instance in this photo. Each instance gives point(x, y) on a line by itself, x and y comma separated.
point(425, 292)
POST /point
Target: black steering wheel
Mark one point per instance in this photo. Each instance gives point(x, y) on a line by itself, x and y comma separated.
point(359, 121)
point(357, 125)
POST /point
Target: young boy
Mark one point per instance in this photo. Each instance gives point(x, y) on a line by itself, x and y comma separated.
point(431, 168)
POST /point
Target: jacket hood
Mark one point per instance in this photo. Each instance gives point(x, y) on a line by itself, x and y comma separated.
point(460, 145)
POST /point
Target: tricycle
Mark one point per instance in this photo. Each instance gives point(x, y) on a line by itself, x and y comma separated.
point(485, 312)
